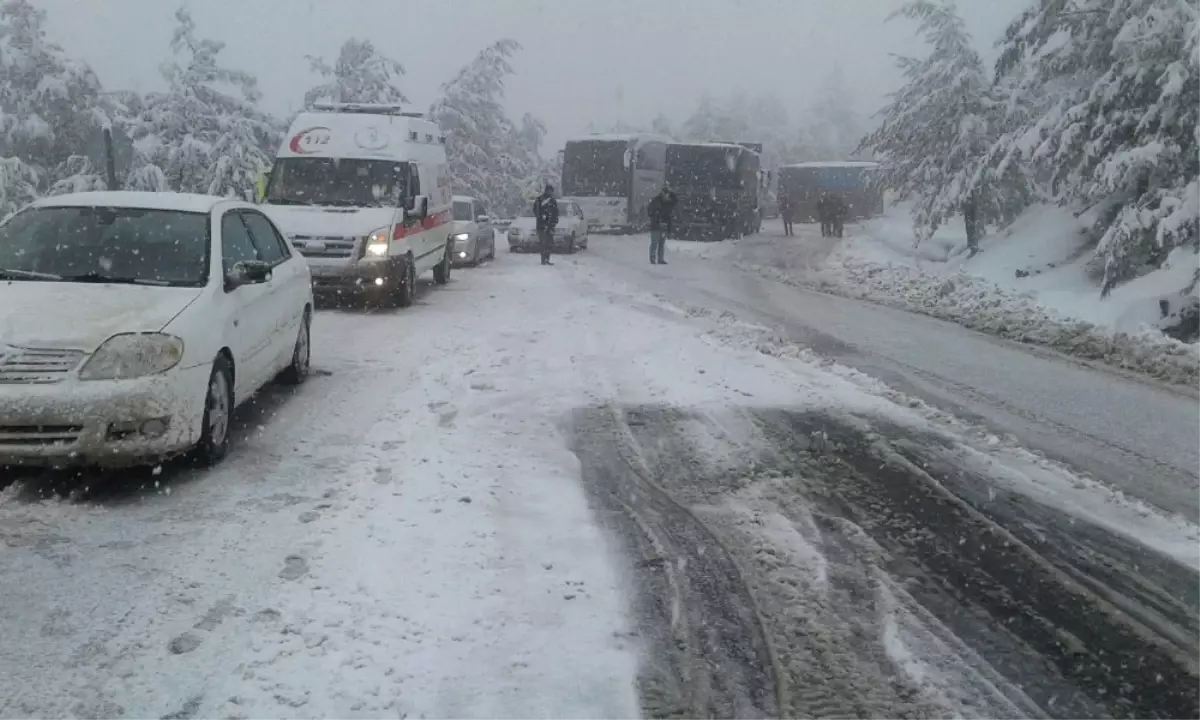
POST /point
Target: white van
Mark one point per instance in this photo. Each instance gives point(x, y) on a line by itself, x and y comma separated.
point(363, 193)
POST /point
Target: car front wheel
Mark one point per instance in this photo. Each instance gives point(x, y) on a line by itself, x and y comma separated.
point(218, 414)
point(441, 273)
point(297, 372)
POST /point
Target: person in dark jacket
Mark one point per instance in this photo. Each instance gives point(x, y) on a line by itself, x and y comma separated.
point(545, 211)
point(838, 210)
point(660, 210)
point(787, 211)
point(823, 213)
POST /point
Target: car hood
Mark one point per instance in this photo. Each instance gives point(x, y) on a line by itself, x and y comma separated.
point(328, 222)
point(80, 316)
point(462, 226)
point(523, 223)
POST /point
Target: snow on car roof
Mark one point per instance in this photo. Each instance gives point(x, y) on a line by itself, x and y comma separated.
point(464, 198)
point(834, 163)
point(183, 202)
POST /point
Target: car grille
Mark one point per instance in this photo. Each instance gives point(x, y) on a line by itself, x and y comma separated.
point(32, 366)
point(11, 435)
point(323, 246)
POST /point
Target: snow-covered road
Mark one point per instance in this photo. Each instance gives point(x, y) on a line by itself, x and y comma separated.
point(1131, 434)
point(599, 490)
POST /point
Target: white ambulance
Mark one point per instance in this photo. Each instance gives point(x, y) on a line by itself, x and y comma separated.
point(363, 193)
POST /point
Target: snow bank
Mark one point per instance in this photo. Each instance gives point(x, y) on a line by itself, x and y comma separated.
point(1032, 283)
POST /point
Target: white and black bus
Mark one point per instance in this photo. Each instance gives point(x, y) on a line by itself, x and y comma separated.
point(613, 177)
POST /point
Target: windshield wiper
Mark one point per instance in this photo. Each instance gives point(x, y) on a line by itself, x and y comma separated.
point(286, 201)
point(6, 274)
point(95, 277)
point(342, 203)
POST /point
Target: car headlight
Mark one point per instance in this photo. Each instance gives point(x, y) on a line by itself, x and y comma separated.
point(461, 237)
point(133, 355)
point(377, 242)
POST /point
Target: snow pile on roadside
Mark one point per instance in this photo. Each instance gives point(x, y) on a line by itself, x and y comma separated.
point(1030, 284)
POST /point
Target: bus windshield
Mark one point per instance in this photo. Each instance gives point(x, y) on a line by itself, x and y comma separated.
point(693, 166)
point(595, 168)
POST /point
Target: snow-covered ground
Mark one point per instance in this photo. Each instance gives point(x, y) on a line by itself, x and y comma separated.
point(1031, 282)
point(407, 534)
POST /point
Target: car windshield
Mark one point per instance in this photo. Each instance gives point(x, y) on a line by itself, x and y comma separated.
point(462, 211)
point(337, 181)
point(106, 244)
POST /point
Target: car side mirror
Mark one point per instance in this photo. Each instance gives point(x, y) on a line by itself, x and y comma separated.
point(247, 272)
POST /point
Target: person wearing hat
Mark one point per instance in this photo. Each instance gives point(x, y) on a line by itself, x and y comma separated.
point(545, 211)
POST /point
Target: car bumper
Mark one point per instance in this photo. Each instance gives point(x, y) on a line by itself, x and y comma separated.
point(102, 422)
point(531, 243)
point(356, 279)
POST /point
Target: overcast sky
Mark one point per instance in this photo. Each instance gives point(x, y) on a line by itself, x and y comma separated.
point(583, 60)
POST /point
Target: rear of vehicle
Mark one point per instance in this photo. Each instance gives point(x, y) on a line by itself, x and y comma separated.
point(612, 179)
point(596, 175)
point(570, 235)
point(803, 183)
point(717, 187)
point(363, 194)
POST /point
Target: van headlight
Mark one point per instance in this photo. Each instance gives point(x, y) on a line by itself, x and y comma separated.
point(377, 242)
point(461, 237)
point(133, 355)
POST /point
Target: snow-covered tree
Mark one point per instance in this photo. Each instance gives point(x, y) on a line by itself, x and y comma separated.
point(1108, 98)
point(18, 185)
point(934, 133)
point(490, 157)
point(361, 74)
point(196, 136)
point(50, 104)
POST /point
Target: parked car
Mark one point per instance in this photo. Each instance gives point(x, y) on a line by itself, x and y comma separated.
point(570, 235)
point(133, 323)
point(471, 232)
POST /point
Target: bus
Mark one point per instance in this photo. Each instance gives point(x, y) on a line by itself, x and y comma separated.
point(613, 177)
point(719, 186)
point(803, 184)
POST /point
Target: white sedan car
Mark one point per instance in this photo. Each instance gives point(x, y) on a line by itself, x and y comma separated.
point(570, 235)
point(132, 324)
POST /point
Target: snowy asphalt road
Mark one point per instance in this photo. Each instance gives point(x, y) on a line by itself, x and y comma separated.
point(1135, 436)
point(551, 492)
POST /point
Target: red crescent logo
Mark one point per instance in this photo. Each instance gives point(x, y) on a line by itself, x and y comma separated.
point(297, 144)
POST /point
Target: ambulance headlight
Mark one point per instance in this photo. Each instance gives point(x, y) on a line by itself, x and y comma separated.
point(377, 242)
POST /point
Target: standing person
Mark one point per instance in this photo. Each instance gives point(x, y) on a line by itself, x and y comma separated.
point(837, 213)
point(661, 211)
point(786, 211)
point(823, 213)
point(545, 211)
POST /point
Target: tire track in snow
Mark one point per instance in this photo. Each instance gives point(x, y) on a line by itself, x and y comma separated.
point(888, 594)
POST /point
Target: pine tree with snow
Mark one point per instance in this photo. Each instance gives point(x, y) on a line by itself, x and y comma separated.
point(196, 136)
point(1108, 97)
point(361, 74)
point(489, 156)
point(50, 105)
point(935, 132)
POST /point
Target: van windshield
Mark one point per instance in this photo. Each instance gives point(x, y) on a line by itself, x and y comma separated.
point(337, 181)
